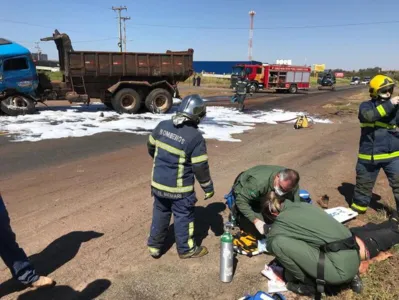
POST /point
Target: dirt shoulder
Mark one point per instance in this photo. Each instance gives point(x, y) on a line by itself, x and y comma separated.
point(86, 222)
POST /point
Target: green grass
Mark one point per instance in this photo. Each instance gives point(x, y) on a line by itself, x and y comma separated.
point(211, 82)
point(54, 76)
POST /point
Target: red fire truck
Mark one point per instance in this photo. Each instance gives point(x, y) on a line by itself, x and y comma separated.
point(273, 77)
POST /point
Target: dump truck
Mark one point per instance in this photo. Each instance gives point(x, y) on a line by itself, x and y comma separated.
point(124, 81)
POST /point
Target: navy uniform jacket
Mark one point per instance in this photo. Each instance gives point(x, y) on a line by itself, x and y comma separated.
point(179, 154)
point(379, 140)
point(241, 86)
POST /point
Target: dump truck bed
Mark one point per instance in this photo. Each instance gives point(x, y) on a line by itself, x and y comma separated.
point(177, 65)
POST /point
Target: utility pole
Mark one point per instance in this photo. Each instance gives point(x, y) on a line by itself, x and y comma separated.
point(124, 31)
point(119, 9)
point(38, 50)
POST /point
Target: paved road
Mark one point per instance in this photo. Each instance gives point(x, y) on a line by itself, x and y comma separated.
point(22, 156)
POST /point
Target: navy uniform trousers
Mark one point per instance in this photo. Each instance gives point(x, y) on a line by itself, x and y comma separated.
point(366, 176)
point(183, 215)
point(12, 255)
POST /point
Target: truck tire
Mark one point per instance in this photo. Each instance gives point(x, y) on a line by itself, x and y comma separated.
point(253, 88)
point(293, 89)
point(18, 105)
point(126, 101)
point(161, 99)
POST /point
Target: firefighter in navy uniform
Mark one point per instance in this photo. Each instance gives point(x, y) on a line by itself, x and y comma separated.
point(379, 142)
point(179, 152)
point(241, 91)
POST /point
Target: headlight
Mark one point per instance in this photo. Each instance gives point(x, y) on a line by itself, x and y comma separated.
point(25, 83)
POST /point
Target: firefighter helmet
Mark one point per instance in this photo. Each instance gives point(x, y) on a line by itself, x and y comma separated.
point(381, 86)
point(193, 107)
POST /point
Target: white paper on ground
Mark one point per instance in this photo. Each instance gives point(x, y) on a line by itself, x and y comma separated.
point(341, 214)
point(275, 276)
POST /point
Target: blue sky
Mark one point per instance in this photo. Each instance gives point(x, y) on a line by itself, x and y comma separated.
point(159, 25)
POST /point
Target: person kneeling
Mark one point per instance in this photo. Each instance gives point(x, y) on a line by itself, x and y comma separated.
point(316, 250)
point(249, 190)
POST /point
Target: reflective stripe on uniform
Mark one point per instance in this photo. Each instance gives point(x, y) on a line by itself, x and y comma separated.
point(151, 140)
point(170, 189)
point(153, 162)
point(170, 149)
point(379, 156)
point(378, 124)
point(190, 241)
point(381, 110)
point(359, 207)
point(153, 250)
point(180, 171)
point(199, 159)
point(205, 184)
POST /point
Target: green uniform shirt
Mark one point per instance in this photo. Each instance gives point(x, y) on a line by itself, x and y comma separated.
point(308, 223)
point(296, 236)
point(252, 185)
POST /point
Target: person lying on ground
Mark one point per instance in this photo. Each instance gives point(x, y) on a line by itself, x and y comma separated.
point(249, 191)
point(316, 250)
point(15, 258)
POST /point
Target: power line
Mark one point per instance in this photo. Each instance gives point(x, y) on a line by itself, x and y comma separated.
point(30, 24)
point(267, 28)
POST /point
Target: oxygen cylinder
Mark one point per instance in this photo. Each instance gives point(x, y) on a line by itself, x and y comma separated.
point(226, 254)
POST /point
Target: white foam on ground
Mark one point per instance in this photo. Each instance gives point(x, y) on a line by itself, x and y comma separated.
point(78, 121)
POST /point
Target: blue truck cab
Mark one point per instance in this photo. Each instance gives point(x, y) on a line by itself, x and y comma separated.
point(17, 69)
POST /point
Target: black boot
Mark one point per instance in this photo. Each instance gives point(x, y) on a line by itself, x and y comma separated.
point(301, 289)
point(357, 284)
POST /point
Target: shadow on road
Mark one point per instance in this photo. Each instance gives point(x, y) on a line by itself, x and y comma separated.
point(63, 292)
point(208, 218)
point(54, 256)
point(205, 218)
point(347, 189)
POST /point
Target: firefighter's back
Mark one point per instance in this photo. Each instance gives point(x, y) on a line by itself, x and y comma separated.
point(172, 165)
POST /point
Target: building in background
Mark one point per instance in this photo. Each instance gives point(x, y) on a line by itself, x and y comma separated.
point(39, 56)
point(218, 67)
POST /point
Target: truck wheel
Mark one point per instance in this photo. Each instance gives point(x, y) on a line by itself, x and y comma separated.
point(253, 88)
point(159, 101)
point(18, 105)
point(293, 89)
point(126, 101)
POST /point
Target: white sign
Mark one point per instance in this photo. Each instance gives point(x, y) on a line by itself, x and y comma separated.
point(341, 214)
point(284, 62)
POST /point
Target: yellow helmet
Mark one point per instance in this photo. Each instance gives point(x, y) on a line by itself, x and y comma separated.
point(381, 86)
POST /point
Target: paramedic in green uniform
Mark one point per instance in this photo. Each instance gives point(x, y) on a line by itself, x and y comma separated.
point(312, 245)
point(250, 190)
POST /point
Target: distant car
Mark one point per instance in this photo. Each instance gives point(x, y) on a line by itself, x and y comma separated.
point(366, 80)
point(355, 80)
